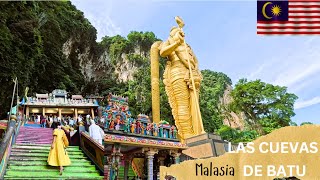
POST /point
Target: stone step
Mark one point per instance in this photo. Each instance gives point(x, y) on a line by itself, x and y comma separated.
point(41, 151)
point(47, 149)
point(19, 154)
point(34, 138)
point(55, 178)
point(32, 158)
point(88, 169)
point(33, 141)
point(44, 163)
point(51, 174)
point(44, 147)
point(35, 134)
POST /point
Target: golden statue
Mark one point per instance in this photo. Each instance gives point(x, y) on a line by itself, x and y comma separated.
point(182, 82)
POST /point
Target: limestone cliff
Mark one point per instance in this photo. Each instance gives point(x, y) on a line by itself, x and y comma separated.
point(232, 119)
point(95, 62)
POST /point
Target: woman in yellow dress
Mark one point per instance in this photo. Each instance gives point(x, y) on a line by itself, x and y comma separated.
point(58, 155)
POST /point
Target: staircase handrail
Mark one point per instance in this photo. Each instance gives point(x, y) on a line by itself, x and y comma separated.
point(5, 147)
point(11, 132)
point(93, 150)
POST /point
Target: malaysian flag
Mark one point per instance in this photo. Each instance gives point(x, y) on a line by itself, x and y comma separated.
point(288, 17)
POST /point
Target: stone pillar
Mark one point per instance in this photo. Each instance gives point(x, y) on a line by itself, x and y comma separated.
point(92, 113)
point(76, 113)
point(115, 158)
point(43, 111)
point(59, 112)
point(150, 152)
point(176, 156)
point(27, 111)
point(161, 161)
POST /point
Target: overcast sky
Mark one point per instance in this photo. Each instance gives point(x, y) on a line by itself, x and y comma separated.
point(223, 36)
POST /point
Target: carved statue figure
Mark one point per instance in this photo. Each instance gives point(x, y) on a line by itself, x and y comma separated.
point(149, 128)
point(133, 127)
point(155, 129)
point(182, 82)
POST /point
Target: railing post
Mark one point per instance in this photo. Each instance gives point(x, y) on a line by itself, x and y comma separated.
point(7, 137)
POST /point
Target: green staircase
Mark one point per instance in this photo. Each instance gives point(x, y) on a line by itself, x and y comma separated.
point(29, 161)
point(131, 173)
point(28, 158)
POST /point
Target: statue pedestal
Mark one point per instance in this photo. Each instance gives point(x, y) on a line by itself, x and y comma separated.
point(205, 146)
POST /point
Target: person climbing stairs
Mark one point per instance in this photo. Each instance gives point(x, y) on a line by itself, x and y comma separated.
point(28, 159)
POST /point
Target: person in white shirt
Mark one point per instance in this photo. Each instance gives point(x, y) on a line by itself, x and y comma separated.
point(38, 119)
point(96, 132)
point(79, 118)
point(50, 121)
point(71, 121)
point(88, 118)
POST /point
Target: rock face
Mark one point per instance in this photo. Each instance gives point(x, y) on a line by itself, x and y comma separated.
point(125, 69)
point(231, 119)
point(95, 63)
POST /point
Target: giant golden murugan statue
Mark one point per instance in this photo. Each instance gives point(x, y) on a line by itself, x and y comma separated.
point(182, 82)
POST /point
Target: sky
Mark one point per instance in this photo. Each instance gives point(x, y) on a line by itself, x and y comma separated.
point(224, 39)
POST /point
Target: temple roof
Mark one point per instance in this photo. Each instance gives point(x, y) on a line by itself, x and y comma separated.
point(42, 96)
point(59, 92)
point(76, 97)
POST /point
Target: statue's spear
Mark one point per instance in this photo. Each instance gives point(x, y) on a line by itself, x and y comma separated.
point(181, 25)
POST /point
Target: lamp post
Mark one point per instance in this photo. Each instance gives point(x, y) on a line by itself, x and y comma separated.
point(14, 90)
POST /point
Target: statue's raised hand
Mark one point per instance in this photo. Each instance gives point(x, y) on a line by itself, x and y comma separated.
point(179, 37)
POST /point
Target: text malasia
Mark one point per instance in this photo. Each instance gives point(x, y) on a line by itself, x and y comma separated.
point(210, 170)
point(276, 147)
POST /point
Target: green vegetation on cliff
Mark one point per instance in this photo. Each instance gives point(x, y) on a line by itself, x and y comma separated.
point(31, 38)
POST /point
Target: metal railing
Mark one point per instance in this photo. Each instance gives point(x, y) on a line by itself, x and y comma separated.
point(6, 144)
point(93, 150)
point(12, 131)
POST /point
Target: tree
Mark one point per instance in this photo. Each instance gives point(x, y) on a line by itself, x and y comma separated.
point(266, 107)
point(304, 123)
point(293, 123)
point(213, 86)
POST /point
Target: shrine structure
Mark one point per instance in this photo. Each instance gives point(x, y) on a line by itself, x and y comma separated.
point(135, 144)
point(58, 103)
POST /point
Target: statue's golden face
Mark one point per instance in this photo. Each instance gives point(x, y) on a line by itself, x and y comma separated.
point(174, 31)
point(177, 35)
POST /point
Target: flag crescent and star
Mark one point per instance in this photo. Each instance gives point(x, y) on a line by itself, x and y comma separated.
point(264, 10)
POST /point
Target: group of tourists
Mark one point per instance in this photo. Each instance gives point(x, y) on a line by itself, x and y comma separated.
point(58, 155)
point(50, 121)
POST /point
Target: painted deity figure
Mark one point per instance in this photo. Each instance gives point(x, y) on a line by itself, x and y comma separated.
point(149, 129)
point(161, 131)
point(112, 125)
point(118, 122)
point(127, 126)
point(138, 127)
point(133, 127)
point(173, 132)
point(155, 129)
point(182, 79)
point(109, 106)
point(143, 129)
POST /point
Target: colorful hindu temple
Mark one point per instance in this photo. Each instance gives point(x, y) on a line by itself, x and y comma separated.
point(136, 143)
point(60, 104)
